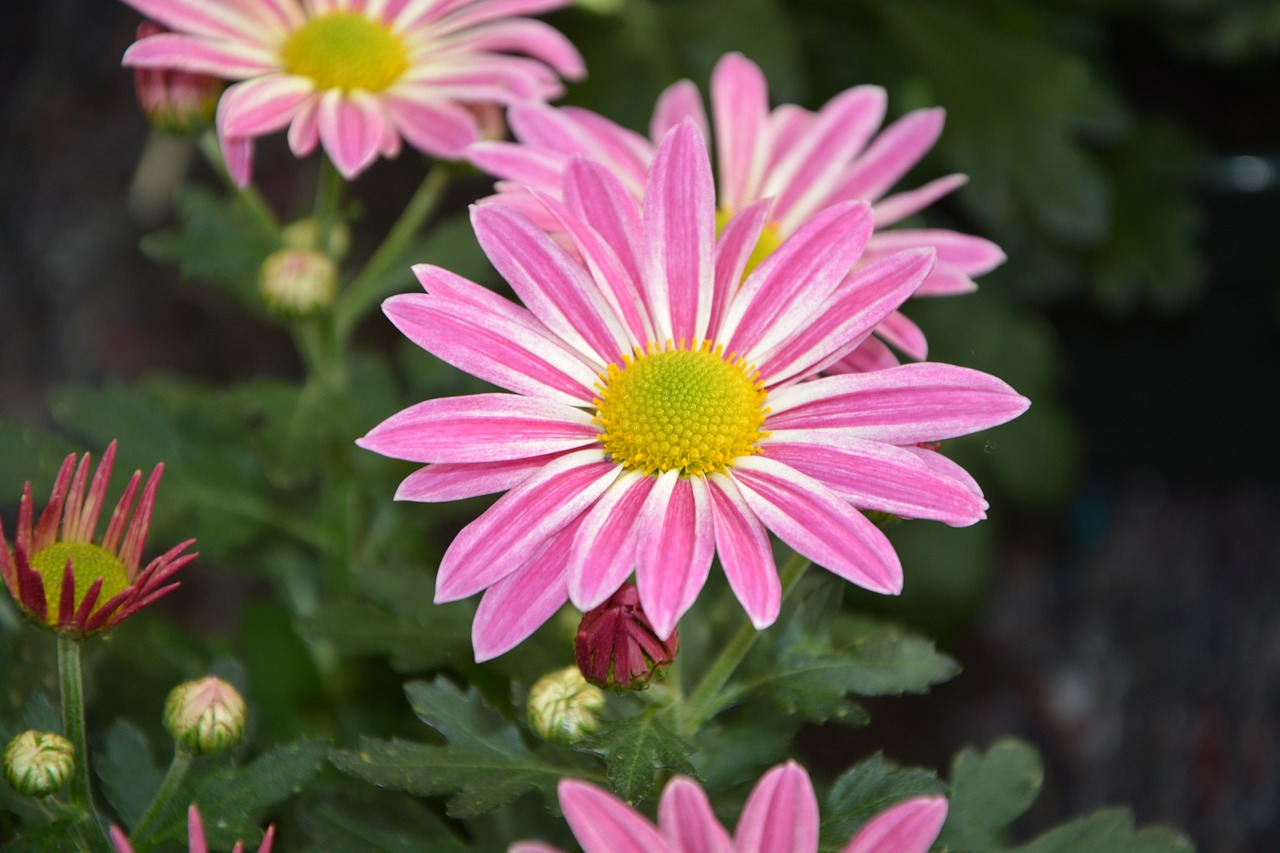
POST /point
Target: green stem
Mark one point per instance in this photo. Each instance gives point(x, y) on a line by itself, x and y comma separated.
point(71, 682)
point(328, 193)
point(368, 285)
point(164, 795)
point(704, 701)
point(248, 195)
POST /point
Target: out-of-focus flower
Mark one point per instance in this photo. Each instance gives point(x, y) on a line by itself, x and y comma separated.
point(37, 764)
point(563, 707)
point(781, 816)
point(206, 715)
point(659, 415)
point(176, 102)
point(804, 161)
point(298, 281)
point(616, 646)
point(196, 842)
point(308, 233)
point(358, 75)
point(61, 578)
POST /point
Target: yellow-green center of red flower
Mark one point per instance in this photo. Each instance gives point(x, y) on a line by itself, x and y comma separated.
point(88, 563)
point(346, 50)
point(692, 411)
point(769, 240)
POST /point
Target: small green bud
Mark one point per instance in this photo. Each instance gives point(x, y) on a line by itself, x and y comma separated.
point(206, 716)
point(563, 707)
point(38, 763)
point(307, 234)
point(298, 281)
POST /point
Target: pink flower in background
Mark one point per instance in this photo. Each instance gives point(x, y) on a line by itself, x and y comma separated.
point(358, 75)
point(658, 414)
point(781, 816)
point(196, 842)
point(804, 161)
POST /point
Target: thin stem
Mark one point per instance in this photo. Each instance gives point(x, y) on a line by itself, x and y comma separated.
point(253, 202)
point(71, 682)
point(164, 795)
point(704, 701)
point(328, 194)
point(368, 285)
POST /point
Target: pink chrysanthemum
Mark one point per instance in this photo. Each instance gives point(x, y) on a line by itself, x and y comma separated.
point(658, 416)
point(64, 580)
point(196, 842)
point(781, 816)
point(357, 75)
point(804, 161)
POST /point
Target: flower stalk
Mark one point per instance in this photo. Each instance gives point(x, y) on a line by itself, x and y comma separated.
point(169, 787)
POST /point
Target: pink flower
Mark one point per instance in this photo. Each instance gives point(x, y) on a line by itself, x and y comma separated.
point(804, 161)
point(64, 580)
point(357, 75)
point(195, 836)
point(658, 415)
point(781, 816)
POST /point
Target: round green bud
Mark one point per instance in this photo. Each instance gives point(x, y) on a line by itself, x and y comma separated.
point(38, 763)
point(563, 707)
point(298, 282)
point(205, 716)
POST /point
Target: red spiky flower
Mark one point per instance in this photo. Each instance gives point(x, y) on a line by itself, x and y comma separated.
point(62, 579)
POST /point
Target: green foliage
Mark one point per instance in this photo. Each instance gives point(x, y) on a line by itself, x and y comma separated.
point(867, 789)
point(633, 750)
point(989, 791)
point(375, 824)
point(1107, 831)
point(128, 771)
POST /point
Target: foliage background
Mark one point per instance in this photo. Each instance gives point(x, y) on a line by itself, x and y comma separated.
point(1119, 608)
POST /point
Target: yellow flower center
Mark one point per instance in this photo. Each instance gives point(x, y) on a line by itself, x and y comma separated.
point(769, 240)
point(346, 50)
point(88, 563)
point(692, 411)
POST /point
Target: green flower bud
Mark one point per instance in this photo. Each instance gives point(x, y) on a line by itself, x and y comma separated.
point(307, 234)
point(563, 707)
point(298, 282)
point(206, 716)
point(38, 763)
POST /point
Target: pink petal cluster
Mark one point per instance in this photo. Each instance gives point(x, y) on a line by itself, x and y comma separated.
point(803, 160)
point(458, 53)
point(196, 842)
point(781, 816)
point(575, 522)
point(76, 511)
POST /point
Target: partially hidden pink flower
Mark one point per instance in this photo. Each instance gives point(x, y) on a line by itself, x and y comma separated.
point(196, 842)
point(61, 578)
point(804, 161)
point(658, 415)
point(358, 75)
point(781, 816)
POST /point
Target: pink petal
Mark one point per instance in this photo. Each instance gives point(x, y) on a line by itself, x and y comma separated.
point(870, 355)
point(440, 282)
point(604, 551)
point(901, 205)
point(262, 105)
point(902, 405)
point(909, 827)
point(946, 280)
point(686, 819)
point(680, 233)
point(740, 106)
point(899, 147)
point(481, 428)
point(781, 815)
point(453, 482)
point(788, 126)
point(674, 551)
point(945, 467)
point(971, 255)
point(582, 132)
point(677, 102)
point(237, 153)
point(733, 251)
point(511, 531)
point(604, 824)
point(745, 553)
point(120, 841)
point(195, 831)
point(533, 847)
point(202, 18)
point(818, 524)
point(351, 125)
point(453, 15)
point(898, 330)
point(436, 127)
point(304, 132)
point(523, 36)
point(228, 60)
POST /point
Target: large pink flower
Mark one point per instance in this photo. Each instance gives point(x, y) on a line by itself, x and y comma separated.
point(357, 75)
point(658, 416)
point(804, 161)
point(781, 816)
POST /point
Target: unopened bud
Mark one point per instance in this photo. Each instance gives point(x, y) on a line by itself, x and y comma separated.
point(298, 281)
point(177, 102)
point(616, 646)
point(38, 763)
point(206, 716)
point(563, 707)
point(333, 241)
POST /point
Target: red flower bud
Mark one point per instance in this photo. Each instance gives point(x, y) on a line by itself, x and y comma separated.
point(177, 102)
point(616, 646)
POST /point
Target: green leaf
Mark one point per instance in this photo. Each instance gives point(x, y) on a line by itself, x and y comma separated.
point(736, 747)
point(128, 771)
point(868, 789)
point(415, 642)
point(52, 838)
point(377, 824)
point(988, 792)
point(483, 764)
point(1108, 831)
point(633, 749)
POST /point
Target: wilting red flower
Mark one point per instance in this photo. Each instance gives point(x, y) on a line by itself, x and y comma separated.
point(616, 646)
point(61, 578)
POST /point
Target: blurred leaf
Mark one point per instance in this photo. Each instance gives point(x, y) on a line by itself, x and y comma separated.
point(45, 839)
point(988, 792)
point(378, 824)
point(1107, 831)
point(415, 642)
point(737, 746)
point(128, 771)
point(633, 749)
point(865, 790)
point(30, 455)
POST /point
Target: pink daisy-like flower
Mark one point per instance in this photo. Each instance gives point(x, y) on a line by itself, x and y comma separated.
point(64, 580)
point(804, 161)
point(781, 816)
point(658, 416)
point(357, 75)
point(196, 842)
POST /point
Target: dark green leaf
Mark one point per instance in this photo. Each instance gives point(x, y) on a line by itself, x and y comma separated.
point(379, 824)
point(868, 789)
point(633, 749)
point(988, 792)
point(128, 771)
point(1107, 831)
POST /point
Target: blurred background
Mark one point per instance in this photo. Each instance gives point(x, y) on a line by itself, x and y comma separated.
point(1121, 607)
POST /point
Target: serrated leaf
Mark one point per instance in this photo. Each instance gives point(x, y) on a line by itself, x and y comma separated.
point(735, 748)
point(867, 789)
point(377, 825)
point(483, 763)
point(988, 792)
point(633, 749)
point(1107, 831)
point(128, 771)
point(412, 643)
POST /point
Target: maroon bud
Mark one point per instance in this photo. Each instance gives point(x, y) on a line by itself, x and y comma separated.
point(616, 646)
point(176, 102)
